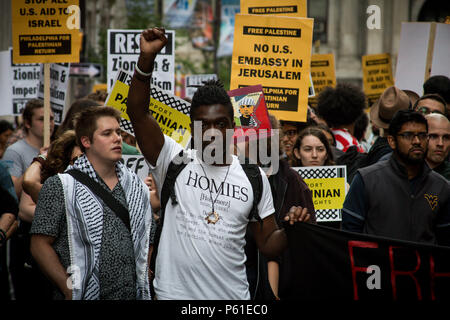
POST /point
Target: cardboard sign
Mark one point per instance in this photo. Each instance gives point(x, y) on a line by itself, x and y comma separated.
point(5, 83)
point(123, 53)
point(171, 112)
point(328, 187)
point(193, 81)
point(323, 74)
point(377, 75)
point(46, 31)
point(250, 113)
point(423, 52)
point(25, 83)
point(137, 164)
point(278, 58)
point(59, 79)
point(290, 8)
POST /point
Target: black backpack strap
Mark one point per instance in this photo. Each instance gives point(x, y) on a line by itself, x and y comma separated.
point(115, 205)
point(254, 176)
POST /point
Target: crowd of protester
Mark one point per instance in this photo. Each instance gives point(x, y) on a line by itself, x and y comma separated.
point(394, 155)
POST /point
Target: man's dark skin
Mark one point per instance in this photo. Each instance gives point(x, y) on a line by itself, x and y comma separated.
point(270, 240)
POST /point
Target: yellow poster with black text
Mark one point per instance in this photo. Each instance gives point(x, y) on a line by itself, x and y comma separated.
point(377, 75)
point(287, 8)
point(46, 31)
point(171, 112)
point(323, 74)
point(274, 52)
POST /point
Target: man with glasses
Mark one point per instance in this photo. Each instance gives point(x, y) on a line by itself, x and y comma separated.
point(438, 144)
point(431, 103)
point(401, 198)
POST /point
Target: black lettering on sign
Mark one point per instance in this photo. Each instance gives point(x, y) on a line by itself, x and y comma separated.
point(376, 62)
point(323, 63)
point(272, 32)
point(128, 43)
point(280, 99)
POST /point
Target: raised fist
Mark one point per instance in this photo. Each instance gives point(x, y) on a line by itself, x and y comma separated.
point(152, 41)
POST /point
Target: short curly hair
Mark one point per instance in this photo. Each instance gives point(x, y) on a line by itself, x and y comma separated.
point(212, 92)
point(341, 105)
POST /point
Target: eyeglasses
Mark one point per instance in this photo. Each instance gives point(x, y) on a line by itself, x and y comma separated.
point(434, 136)
point(290, 133)
point(411, 135)
point(426, 110)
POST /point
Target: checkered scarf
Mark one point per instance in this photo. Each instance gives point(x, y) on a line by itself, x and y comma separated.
point(85, 225)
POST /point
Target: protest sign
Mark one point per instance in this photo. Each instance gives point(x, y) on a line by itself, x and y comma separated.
point(423, 52)
point(323, 74)
point(59, 79)
point(5, 84)
point(46, 31)
point(250, 113)
point(377, 75)
point(25, 82)
point(363, 267)
point(291, 8)
point(123, 53)
point(178, 13)
point(278, 58)
point(137, 164)
point(171, 112)
point(228, 11)
point(193, 81)
point(327, 184)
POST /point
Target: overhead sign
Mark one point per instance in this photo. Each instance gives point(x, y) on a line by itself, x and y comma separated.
point(171, 112)
point(327, 184)
point(59, 80)
point(323, 74)
point(193, 81)
point(377, 75)
point(90, 70)
point(45, 31)
point(276, 53)
point(290, 8)
point(123, 53)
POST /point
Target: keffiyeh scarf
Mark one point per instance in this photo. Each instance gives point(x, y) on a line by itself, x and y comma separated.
point(84, 212)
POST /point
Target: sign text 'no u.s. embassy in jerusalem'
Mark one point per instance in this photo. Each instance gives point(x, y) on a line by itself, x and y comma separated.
point(274, 52)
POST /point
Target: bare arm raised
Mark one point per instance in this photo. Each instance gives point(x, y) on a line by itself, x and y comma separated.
point(147, 131)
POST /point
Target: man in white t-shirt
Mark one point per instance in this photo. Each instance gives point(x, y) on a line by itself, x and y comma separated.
point(201, 249)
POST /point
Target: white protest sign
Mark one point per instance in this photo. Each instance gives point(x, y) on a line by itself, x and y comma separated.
point(193, 81)
point(5, 83)
point(25, 81)
point(123, 53)
point(137, 164)
point(59, 79)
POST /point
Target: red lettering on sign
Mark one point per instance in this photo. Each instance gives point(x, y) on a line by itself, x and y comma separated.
point(395, 273)
point(359, 244)
point(434, 275)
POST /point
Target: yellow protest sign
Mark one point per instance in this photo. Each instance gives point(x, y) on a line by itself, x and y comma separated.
point(323, 74)
point(45, 31)
point(274, 52)
point(377, 75)
point(169, 111)
point(327, 193)
point(291, 8)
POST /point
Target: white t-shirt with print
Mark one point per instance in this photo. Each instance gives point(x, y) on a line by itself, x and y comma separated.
point(197, 260)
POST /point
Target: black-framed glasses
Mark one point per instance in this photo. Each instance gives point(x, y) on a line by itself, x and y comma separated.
point(411, 135)
point(426, 110)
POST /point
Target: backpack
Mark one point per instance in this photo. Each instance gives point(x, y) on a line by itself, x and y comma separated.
point(168, 192)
